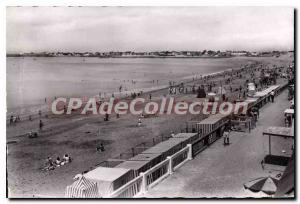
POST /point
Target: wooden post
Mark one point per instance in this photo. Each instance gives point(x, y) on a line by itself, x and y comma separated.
point(132, 149)
point(170, 165)
point(153, 139)
point(190, 153)
point(144, 187)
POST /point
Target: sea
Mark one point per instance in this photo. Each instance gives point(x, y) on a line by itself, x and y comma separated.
point(31, 82)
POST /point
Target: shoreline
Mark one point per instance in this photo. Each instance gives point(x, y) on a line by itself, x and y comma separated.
point(121, 95)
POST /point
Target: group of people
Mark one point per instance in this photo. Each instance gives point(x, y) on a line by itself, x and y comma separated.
point(51, 165)
point(14, 119)
point(100, 148)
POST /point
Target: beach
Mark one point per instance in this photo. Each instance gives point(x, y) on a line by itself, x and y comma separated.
point(79, 135)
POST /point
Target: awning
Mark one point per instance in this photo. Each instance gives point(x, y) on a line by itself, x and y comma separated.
point(289, 111)
point(109, 179)
point(279, 131)
point(82, 188)
point(287, 182)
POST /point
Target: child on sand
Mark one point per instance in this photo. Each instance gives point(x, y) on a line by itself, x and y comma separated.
point(66, 159)
point(58, 162)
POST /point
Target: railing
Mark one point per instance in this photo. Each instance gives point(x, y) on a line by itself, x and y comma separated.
point(179, 158)
point(129, 190)
point(156, 174)
point(153, 176)
point(198, 146)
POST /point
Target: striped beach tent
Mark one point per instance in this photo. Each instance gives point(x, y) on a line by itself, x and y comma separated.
point(82, 188)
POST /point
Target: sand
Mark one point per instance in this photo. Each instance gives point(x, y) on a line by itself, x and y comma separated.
point(78, 136)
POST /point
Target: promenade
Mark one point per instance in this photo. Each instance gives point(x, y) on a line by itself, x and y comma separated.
point(220, 171)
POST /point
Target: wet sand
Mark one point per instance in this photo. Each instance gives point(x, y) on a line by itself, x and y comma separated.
point(78, 136)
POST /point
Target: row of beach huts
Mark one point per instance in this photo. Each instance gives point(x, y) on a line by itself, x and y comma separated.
point(131, 178)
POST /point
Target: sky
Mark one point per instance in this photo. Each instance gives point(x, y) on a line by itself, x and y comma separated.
point(92, 29)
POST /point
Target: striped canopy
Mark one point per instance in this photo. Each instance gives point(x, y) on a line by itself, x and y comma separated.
point(82, 188)
point(267, 185)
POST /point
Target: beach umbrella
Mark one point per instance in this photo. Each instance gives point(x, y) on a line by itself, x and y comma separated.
point(267, 185)
point(82, 188)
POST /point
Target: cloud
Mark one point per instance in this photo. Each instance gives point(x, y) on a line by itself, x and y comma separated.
point(148, 28)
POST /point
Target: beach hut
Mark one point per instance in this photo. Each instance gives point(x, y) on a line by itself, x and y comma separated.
point(266, 92)
point(136, 166)
point(82, 188)
point(211, 123)
point(151, 159)
point(166, 148)
point(109, 179)
point(187, 138)
point(212, 127)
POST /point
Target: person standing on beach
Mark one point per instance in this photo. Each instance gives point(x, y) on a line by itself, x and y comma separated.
point(272, 96)
point(41, 124)
point(11, 120)
point(139, 122)
point(225, 135)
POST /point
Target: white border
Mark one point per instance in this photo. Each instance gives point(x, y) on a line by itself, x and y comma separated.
point(4, 3)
